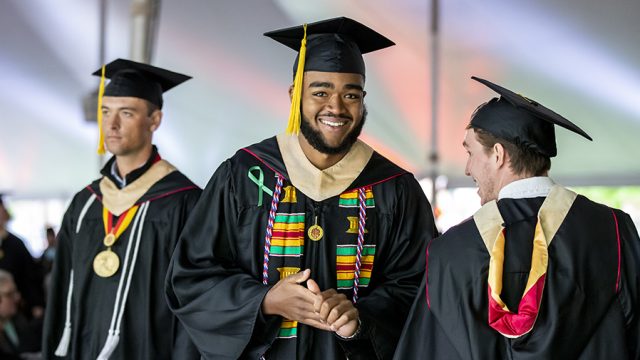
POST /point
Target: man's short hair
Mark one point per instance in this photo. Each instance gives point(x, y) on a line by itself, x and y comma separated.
point(151, 107)
point(522, 161)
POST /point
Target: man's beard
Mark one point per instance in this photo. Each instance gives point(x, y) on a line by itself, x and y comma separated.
point(314, 137)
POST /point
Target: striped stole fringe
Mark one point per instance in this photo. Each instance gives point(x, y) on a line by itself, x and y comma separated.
point(269, 233)
point(362, 216)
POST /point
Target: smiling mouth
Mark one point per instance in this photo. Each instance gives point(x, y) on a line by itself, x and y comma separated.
point(332, 123)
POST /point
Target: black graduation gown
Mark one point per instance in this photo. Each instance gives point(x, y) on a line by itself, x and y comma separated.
point(148, 328)
point(589, 307)
point(215, 279)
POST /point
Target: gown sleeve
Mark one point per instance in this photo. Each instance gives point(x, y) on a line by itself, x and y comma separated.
point(206, 288)
point(383, 312)
point(183, 347)
point(422, 333)
point(629, 290)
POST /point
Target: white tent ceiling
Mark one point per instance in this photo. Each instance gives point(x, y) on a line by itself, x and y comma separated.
point(578, 57)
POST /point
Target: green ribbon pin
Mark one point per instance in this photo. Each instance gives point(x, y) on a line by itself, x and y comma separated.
point(260, 182)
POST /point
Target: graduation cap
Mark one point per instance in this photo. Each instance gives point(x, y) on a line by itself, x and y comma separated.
point(521, 120)
point(130, 78)
point(333, 45)
point(134, 79)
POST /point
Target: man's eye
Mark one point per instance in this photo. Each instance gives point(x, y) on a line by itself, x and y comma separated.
point(320, 94)
point(352, 96)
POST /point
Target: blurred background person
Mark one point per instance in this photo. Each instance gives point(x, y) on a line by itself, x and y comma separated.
point(16, 259)
point(48, 255)
point(18, 335)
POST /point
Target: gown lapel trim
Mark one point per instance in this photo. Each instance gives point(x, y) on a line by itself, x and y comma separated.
point(119, 200)
point(319, 184)
point(552, 214)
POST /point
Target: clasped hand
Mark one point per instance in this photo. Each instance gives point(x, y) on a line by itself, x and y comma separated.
point(325, 310)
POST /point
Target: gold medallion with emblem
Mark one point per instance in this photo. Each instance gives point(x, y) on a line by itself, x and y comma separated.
point(106, 263)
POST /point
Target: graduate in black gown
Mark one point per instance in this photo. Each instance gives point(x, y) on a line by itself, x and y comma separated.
point(118, 234)
point(310, 245)
point(538, 272)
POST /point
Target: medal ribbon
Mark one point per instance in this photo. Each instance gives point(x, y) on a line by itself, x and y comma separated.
point(121, 225)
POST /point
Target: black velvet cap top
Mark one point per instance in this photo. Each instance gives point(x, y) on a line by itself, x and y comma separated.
point(130, 78)
point(333, 45)
point(521, 121)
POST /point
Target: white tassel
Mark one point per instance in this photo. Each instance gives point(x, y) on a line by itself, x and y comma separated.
point(112, 341)
point(63, 346)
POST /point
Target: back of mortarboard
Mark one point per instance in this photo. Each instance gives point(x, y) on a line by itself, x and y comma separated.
point(521, 121)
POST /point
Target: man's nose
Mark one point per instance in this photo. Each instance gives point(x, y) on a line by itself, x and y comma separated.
point(336, 104)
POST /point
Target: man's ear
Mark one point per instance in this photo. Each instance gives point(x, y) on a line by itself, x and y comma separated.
point(156, 119)
point(499, 155)
point(291, 92)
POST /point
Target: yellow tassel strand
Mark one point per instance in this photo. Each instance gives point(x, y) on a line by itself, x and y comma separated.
point(100, 94)
point(293, 127)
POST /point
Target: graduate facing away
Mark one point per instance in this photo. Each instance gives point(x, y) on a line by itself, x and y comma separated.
point(118, 234)
point(309, 244)
point(538, 272)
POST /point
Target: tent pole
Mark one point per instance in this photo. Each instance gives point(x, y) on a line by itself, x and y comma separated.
point(435, 68)
point(144, 19)
point(102, 31)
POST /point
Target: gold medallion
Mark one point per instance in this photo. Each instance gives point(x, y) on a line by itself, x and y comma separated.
point(106, 263)
point(315, 232)
point(109, 240)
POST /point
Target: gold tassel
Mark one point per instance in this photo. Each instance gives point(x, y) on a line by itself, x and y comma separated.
point(100, 94)
point(293, 127)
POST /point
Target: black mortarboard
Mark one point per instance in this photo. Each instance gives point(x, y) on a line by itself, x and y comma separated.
point(333, 45)
point(130, 78)
point(521, 120)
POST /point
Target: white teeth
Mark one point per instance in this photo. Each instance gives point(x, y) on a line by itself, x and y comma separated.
point(333, 123)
